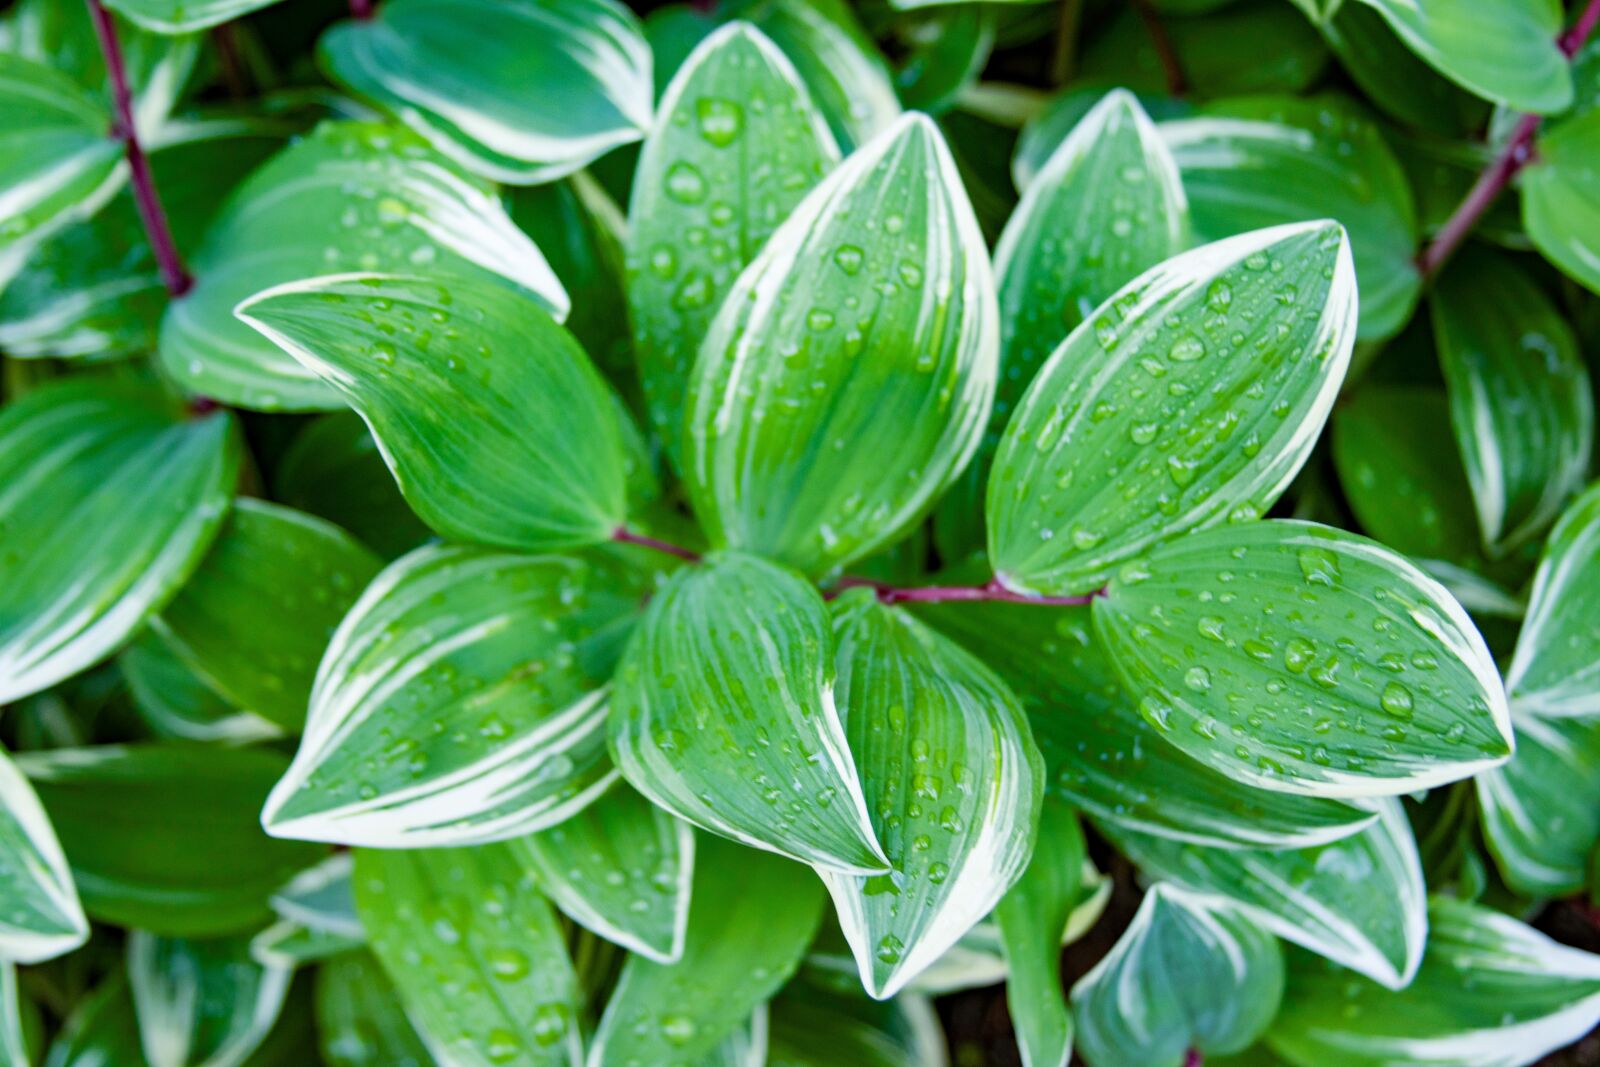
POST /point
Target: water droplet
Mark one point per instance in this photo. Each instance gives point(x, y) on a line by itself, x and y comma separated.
point(1297, 655)
point(1197, 679)
point(685, 183)
point(849, 258)
point(720, 120)
point(1396, 700)
point(1319, 566)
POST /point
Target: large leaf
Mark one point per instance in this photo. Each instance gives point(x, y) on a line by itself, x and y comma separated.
point(1393, 77)
point(847, 378)
point(1260, 161)
point(360, 1019)
point(475, 953)
point(176, 703)
point(1183, 975)
point(462, 700)
point(724, 714)
point(497, 427)
point(255, 617)
point(185, 16)
point(1561, 197)
point(42, 917)
point(1359, 901)
point(523, 91)
point(1541, 811)
point(108, 499)
point(620, 867)
point(167, 838)
point(952, 780)
point(1303, 658)
point(1491, 992)
point(739, 144)
point(201, 1003)
point(1520, 399)
point(751, 916)
point(1146, 422)
point(1556, 669)
point(351, 196)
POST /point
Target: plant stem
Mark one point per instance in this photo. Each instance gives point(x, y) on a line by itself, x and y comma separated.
point(361, 9)
point(1517, 153)
point(1193, 1058)
point(1063, 56)
point(991, 590)
point(623, 535)
point(173, 275)
point(1170, 67)
point(226, 38)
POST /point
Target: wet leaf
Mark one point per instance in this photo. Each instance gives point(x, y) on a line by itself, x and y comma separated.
point(1556, 670)
point(201, 1003)
point(360, 1019)
point(42, 917)
point(1541, 811)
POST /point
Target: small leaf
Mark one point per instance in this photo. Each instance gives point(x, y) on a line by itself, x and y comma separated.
point(475, 953)
point(42, 916)
point(1524, 995)
point(1183, 975)
point(101, 1030)
point(322, 898)
point(751, 916)
point(185, 16)
point(739, 144)
point(1556, 669)
point(360, 1019)
point(846, 380)
point(1520, 399)
point(724, 714)
point(255, 617)
point(1145, 423)
point(349, 196)
point(109, 501)
point(1560, 194)
point(620, 867)
point(287, 945)
point(495, 424)
point(1302, 658)
point(462, 700)
point(201, 1003)
point(523, 92)
point(176, 703)
point(1541, 811)
point(1359, 901)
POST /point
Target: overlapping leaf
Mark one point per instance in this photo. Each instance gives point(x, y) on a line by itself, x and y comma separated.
point(1556, 669)
point(1541, 811)
point(360, 1019)
point(201, 1003)
point(176, 703)
point(185, 16)
point(1560, 194)
point(42, 917)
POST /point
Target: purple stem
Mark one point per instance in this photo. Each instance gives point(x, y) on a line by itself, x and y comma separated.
point(1193, 1058)
point(361, 9)
point(623, 535)
point(177, 279)
point(1171, 67)
point(992, 590)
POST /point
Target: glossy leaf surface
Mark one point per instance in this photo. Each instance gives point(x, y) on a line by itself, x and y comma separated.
point(185, 16)
point(201, 1003)
point(1560, 191)
point(1556, 670)
point(42, 917)
point(1541, 811)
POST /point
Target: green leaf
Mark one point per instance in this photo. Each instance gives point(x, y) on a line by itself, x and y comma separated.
point(109, 500)
point(1043, 133)
point(42, 917)
point(360, 1019)
point(167, 838)
point(1561, 198)
point(185, 16)
point(1393, 77)
point(1520, 399)
point(1130, 435)
point(1491, 992)
point(1541, 811)
point(724, 714)
point(1302, 658)
point(620, 867)
point(351, 196)
point(201, 1003)
point(1183, 975)
point(101, 1030)
point(952, 780)
point(462, 700)
point(1261, 161)
point(525, 91)
point(1032, 917)
point(739, 144)
point(1556, 669)
point(288, 945)
point(322, 898)
point(479, 400)
point(1502, 50)
point(812, 1029)
point(176, 703)
point(474, 951)
point(14, 1043)
point(1359, 901)
point(254, 619)
point(865, 329)
point(946, 51)
point(751, 916)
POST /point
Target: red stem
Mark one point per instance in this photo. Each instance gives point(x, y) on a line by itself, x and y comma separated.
point(1193, 1058)
point(992, 590)
point(177, 279)
point(1171, 68)
point(361, 9)
point(625, 536)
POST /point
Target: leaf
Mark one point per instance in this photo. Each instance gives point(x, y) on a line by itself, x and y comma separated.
point(1556, 669)
point(1526, 996)
point(1520, 399)
point(1183, 975)
point(620, 867)
point(175, 703)
point(42, 916)
point(101, 1030)
point(201, 1003)
point(1098, 465)
point(865, 329)
point(1394, 693)
point(751, 916)
point(322, 897)
point(1502, 50)
point(811, 1029)
point(166, 838)
point(739, 144)
point(945, 53)
point(507, 654)
point(1559, 197)
point(1541, 811)
point(1032, 917)
point(360, 1018)
point(255, 617)
point(1359, 901)
point(14, 1042)
point(184, 16)
point(951, 778)
point(523, 92)
point(351, 196)
point(475, 953)
point(1393, 77)
point(1044, 131)
point(1262, 161)
point(724, 714)
point(114, 498)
